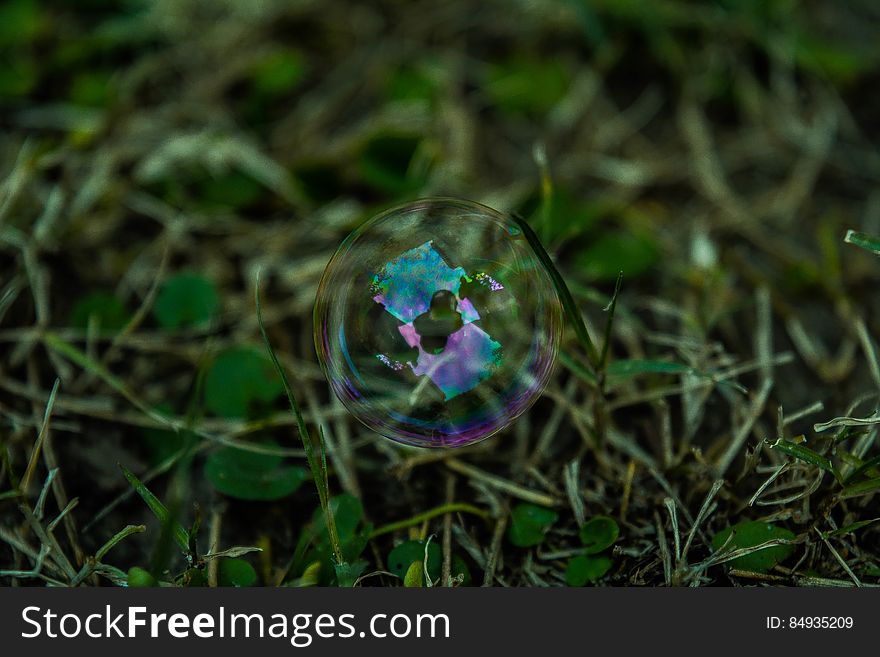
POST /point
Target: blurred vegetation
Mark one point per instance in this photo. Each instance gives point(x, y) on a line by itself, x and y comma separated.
point(156, 155)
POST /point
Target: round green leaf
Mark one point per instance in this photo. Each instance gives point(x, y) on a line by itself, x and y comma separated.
point(138, 578)
point(193, 578)
point(347, 574)
point(749, 534)
point(231, 190)
point(615, 252)
point(586, 568)
point(91, 88)
point(386, 163)
point(407, 553)
point(162, 444)
point(239, 382)
point(347, 513)
point(460, 569)
point(251, 476)
point(21, 21)
point(236, 572)
point(278, 73)
point(529, 523)
point(527, 86)
point(599, 533)
point(186, 300)
point(103, 308)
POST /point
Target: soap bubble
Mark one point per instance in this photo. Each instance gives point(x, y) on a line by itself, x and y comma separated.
point(436, 324)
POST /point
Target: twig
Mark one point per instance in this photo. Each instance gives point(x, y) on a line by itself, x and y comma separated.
point(742, 434)
point(501, 484)
point(839, 559)
point(419, 518)
point(494, 550)
point(446, 571)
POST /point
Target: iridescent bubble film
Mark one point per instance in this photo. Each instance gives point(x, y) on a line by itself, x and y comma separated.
point(436, 324)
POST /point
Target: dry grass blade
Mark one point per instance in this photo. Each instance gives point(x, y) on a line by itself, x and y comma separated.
point(38, 445)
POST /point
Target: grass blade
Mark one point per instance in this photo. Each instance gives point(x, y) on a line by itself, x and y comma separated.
point(871, 244)
point(95, 368)
point(862, 488)
point(576, 367)
point(606, 341)
point(862, 468)
point(807, 455)
point(847, 422)
point(35, 454)
point(117, 538)
point(568, 303)
point(854, 527)
point(318, 467)
point(634, 367)
point(181, 536)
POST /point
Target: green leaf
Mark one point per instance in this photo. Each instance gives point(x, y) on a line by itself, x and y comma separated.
point(837, 61)
point(347, 512)
point(750, 533)
point(139, 578)
point(586, 568)
point(614, 252)
point(193, 577)
point(599, 533)
point(278, 73)
point(249, 475)
point(186, 300)
point(102, 308)
point(401, 558)
point(386, 163)
point(529, 523)
point(871, 244)
point(159, 510)
point(348, 573)
point(239, 382)
point(21, 21)
point(320, 180)
point(162, 444)
point(415, 575)
point(412, 83)
point(18, 75)
point(236, 572)
point(91, 88)
point(562, 215)
point(529, 86)
point(231, 190)
point(460, 569)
